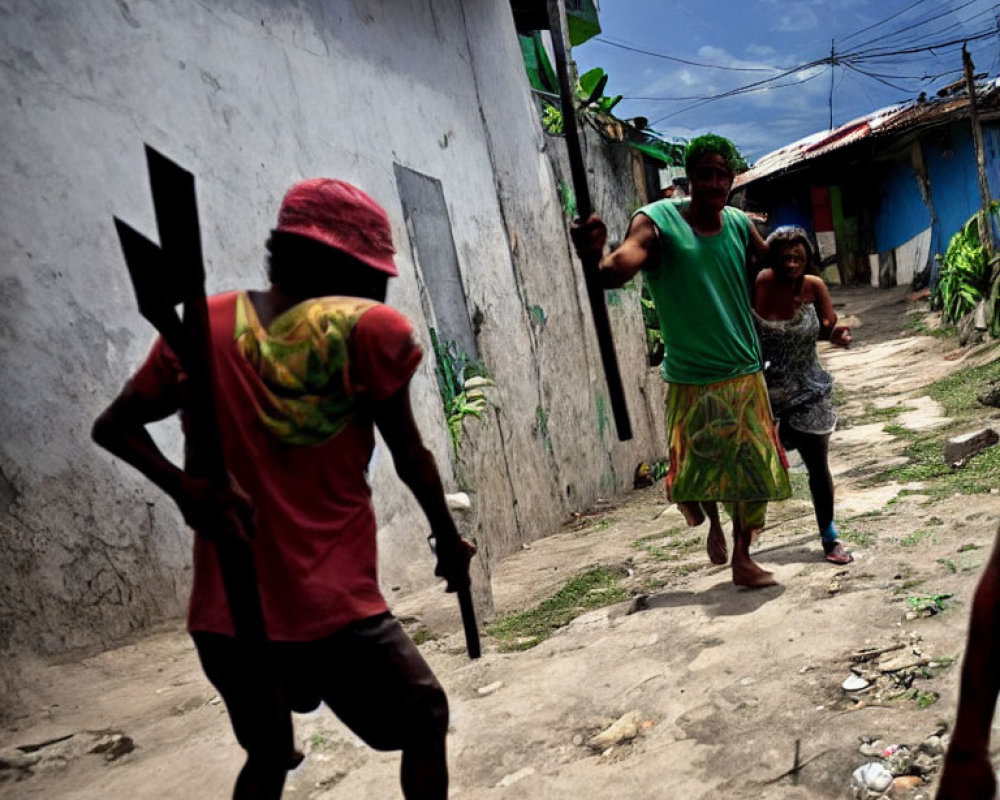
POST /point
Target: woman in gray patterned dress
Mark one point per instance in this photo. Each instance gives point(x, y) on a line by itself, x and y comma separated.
point(792, 310)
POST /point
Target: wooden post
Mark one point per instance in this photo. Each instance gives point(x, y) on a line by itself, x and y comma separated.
point(985, 225)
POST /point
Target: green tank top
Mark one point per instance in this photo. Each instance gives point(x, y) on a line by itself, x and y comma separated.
point(700, 287)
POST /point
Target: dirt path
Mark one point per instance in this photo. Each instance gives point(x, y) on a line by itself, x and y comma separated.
point(726, 686)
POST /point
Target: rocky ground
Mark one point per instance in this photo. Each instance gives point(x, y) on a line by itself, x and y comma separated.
point(668, 682)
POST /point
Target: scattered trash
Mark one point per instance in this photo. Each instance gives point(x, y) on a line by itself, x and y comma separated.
point(904, 787)
point(624, 729)
point(16, 758)
point(489, 688)
point(514, 777)
point(459, 501)
point(899, 663)
point(113, 746)
point(855, 683)
point(928, 605)
point(870, 780)
point(873, 748)
point(909, 767)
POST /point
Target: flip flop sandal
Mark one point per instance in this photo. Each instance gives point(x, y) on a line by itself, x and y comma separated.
point(836, 554)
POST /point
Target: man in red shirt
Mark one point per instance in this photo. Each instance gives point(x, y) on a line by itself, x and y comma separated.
point(302, 373)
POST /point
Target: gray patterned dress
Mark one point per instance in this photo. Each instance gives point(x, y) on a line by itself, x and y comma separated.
point(799, 388)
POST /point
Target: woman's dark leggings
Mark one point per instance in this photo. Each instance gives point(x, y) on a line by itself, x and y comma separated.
point(814, 448)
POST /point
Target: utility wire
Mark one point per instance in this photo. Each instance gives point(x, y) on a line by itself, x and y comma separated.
point(923, 36)
point(680, 60)
point(743, 90)
point(877, 54)
point(875, 77)
point(916, 24)
point(849, 59)
point(883, 21)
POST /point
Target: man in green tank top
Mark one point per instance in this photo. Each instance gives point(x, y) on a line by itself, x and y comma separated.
point(721, 439)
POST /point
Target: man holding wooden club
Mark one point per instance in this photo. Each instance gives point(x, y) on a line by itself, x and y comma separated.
point(303, 373)
point(722, 442)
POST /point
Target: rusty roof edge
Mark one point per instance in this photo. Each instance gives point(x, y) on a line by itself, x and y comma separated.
point(887, 121)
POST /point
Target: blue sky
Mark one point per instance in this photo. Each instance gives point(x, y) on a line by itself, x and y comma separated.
point(756, 40)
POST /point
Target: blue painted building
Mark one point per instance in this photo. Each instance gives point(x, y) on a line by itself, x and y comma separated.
point(883, 194)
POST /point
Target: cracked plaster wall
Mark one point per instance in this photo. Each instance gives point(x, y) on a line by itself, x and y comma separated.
point(251, 96)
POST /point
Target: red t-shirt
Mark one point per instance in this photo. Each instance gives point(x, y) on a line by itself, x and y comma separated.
point(315, 545)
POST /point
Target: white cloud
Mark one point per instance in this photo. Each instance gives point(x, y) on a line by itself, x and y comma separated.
point(760, 51)
point(796, 17)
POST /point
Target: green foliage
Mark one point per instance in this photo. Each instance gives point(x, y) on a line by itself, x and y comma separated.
point(654, 335)
point(589, 83)
point(928, 602)
point(453, 368)
point(602, 414)
point(423, 635)
point(661, 468)
point(965, 275)
point(593, 588)
point(568, 199)
point(913, 538)
point(857, 536)
point(552, 120)
point(916, 325)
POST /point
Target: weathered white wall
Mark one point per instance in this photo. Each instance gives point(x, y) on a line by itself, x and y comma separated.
point(252, 95)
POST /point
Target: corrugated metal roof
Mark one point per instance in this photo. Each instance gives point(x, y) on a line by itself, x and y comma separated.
point(895, 119)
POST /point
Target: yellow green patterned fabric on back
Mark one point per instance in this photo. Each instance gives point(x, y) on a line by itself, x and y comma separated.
point(303, 363)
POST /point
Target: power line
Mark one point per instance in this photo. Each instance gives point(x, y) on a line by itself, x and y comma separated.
point(883, 21)
point(679, 60)
point(916, 24)
point(851, 60)
point(877, 53)
point(925, 35)
point(742, 90)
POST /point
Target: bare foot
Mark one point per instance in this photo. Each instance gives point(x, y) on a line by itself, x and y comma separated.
point(752, 577)
point(716, 544)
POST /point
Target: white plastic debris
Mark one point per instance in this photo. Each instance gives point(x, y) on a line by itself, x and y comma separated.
point(459, 501)
point(854, 683)
point(870, 777)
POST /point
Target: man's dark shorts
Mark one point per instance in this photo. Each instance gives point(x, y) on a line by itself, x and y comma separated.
point(370, 674)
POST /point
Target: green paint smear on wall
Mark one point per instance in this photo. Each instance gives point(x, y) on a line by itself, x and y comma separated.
point(602, 414)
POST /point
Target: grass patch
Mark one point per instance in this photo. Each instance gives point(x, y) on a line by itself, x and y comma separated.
point(948, 564)
point(965, 548)
point(857, 536)
point(957, 395)
point(800, 485)
point(924, 698)
point(917, 326)
point(914, 538)
point(957, 392)
point(593, 588)
point(423, 635)
point(898, 430)
point(596, 526)
point(928, 602)
point(872, 414)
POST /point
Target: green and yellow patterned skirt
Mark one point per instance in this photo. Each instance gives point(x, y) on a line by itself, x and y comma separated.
point(724, 448)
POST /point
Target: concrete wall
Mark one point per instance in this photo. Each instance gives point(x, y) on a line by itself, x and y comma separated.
point(251, 96)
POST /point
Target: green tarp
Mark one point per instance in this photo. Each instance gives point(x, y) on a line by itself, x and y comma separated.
point(581, 21)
